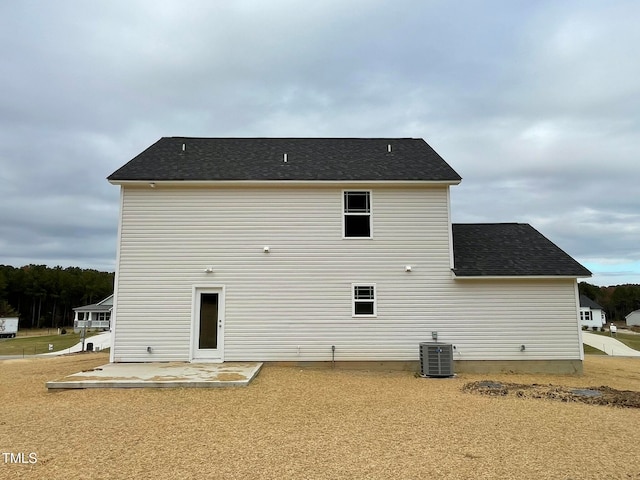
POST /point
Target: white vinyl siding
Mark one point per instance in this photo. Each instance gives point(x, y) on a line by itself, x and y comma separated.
point(491, 319)
point(295, 302)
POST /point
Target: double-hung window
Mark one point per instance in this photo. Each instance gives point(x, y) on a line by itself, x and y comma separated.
point(364, 300)
point(357, 214)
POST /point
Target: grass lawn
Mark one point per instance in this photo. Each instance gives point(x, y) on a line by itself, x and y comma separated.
point(629, 339)
point(40, 332)
point(31, 345)
point(589, 350)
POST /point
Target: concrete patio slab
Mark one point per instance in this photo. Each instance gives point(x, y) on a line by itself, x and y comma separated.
point(162, 375)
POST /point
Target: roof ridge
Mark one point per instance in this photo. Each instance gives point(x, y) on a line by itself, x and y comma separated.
point(491, 223)
point(294, 138)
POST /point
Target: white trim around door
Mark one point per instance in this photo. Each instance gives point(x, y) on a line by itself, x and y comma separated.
point(207, 324)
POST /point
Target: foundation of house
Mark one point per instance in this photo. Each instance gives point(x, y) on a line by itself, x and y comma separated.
point(460, 366)
point(519, 366)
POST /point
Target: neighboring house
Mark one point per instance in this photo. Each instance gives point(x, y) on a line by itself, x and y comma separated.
point(313, 249)
point(591, 314)
point(94, 316)
point(633, 319)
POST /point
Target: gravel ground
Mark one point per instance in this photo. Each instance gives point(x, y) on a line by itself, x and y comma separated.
point(315, 424)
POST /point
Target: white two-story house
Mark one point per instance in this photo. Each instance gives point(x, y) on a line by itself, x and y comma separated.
point(96, 316)
point(591, 314)
point(320, 249)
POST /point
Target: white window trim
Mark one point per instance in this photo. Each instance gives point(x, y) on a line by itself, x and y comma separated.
point(370, 214)
point(353, 299)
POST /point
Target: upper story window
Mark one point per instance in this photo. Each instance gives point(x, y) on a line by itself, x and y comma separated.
point(357, 214)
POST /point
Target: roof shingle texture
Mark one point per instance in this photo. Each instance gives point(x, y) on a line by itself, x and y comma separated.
point(587, 302)
point(509, 249)
point(204, 159)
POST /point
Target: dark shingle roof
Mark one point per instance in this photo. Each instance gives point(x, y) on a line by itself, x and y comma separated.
point(587, 302)
point(94, 307)
point(509, 249)
point(307, 159)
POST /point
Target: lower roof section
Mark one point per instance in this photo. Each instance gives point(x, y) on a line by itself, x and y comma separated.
point(509, 250)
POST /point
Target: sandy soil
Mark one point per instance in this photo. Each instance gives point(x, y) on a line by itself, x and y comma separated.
point(315, 424)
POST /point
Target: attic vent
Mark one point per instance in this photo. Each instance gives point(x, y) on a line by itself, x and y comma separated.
point(436, 359)
point(284, 158)
point(389, 148)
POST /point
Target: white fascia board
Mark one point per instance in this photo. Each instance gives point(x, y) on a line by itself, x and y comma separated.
point(279, 183)
point(516, 277)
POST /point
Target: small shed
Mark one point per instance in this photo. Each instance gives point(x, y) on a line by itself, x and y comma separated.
point(633, 319)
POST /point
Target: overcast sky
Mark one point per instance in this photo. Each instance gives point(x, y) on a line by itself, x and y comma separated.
point(536, 104)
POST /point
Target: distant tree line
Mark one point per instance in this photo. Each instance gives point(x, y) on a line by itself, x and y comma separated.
point(45, 297)
point(618, 301)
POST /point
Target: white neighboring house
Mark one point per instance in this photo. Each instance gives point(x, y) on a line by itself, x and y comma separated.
point(633, 319)
point(96, 316)
point(591, 313)
point(312, 249)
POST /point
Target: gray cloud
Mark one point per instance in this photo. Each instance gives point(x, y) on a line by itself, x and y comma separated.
point(533, 103)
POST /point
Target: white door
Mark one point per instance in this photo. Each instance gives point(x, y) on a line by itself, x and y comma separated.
point(208, 325)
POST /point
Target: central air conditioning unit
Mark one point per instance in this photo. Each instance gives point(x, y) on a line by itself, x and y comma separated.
point(436, 359)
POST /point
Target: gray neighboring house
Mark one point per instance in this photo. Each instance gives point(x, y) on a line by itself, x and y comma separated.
point(95, 316)
point(591, 313)
point(633, 319)
point(314, 249)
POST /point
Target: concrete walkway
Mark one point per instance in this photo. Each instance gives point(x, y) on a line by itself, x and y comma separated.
point(609, 345)
point(100, 342)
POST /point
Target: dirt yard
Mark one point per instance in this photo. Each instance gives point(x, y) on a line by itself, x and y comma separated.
point(315, 424)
